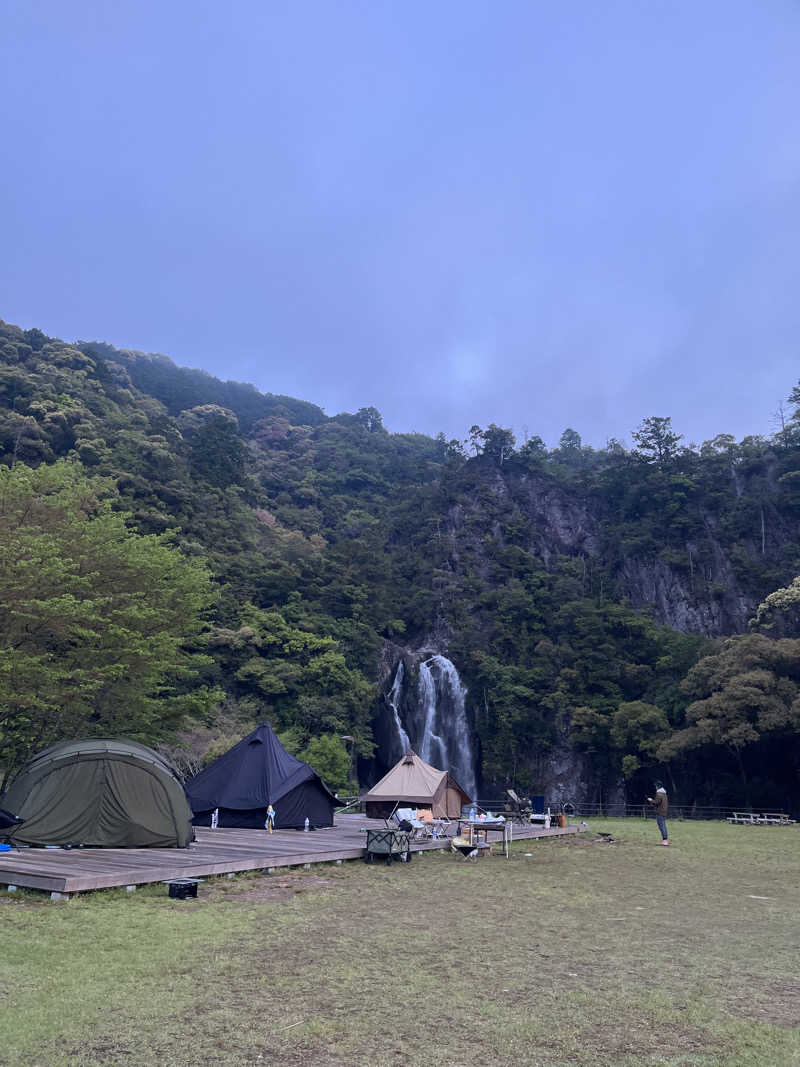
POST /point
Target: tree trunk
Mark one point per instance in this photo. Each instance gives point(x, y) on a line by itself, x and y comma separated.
point(763, 532)
point(672, 785)
point(743, 776)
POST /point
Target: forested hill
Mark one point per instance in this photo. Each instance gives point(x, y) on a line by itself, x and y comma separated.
point(575, 589)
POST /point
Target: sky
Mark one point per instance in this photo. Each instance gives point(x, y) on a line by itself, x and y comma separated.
point(535, 214)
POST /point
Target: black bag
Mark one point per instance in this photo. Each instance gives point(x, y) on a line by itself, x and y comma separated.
point(8, 819)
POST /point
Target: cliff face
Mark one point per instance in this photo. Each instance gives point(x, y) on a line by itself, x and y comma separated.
point(655, 587)
point(561, 523)
point(704, 586)
point(565, 776)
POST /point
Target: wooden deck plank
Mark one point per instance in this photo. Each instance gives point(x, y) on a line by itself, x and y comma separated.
point(226, 851)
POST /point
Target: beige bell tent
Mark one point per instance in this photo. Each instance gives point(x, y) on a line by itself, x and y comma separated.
point(413, 782)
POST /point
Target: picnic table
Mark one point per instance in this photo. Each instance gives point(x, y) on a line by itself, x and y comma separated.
point(477, 831)
point(474, 828)
point(750, 818)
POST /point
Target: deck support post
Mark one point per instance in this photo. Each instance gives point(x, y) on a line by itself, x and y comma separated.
point(11, 888)
point(130, 888)
point(59, 896)
point(306, 866)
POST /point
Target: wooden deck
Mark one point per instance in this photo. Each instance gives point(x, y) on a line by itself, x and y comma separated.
point(215, 852)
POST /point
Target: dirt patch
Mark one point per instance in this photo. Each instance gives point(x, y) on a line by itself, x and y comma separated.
point(25, 899)
point(778, 1004)
point(281, 888)
point(98, 1054)
point(639, 1037)
point(585, 841)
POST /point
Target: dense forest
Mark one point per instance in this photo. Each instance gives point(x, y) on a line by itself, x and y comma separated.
point(183, 557)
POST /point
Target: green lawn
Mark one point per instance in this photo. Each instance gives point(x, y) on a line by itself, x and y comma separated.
point(583, 953)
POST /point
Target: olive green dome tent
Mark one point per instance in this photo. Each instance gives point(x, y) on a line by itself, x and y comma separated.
point(100, 793)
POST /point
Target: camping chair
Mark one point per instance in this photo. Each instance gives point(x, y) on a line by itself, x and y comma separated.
point(434, 826)
point(9, 824)
point(518, 810)
point(425, 816)
point(410, 816)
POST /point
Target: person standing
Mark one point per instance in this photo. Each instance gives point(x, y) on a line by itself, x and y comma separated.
point(660, 805)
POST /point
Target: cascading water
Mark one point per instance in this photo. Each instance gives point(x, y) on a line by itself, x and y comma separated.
point(459, 757)
point(433, 747)
point(431, 718)
point(394, 703)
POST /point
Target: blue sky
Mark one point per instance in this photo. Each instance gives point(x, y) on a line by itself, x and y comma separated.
point(535, 214)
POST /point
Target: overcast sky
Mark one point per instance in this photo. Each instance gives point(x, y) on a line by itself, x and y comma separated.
point(538, 214)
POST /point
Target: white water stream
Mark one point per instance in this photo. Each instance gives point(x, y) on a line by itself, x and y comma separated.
point(394, 704)
point(432, 719)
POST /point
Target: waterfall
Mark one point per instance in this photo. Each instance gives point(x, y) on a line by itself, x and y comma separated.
point(394, 703)
point(431, 718)
point(451, 694)
point(433, 747)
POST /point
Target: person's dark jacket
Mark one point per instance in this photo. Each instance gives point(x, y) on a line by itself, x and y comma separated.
point(660, 803)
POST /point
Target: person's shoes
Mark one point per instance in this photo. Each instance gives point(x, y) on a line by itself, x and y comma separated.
point(665, 842)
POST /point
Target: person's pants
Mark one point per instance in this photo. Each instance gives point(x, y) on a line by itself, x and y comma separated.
point(662, 825)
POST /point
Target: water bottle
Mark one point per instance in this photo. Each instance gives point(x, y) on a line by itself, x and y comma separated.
point(306, 824)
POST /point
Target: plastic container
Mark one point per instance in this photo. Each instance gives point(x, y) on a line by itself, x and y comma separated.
point(182, 888)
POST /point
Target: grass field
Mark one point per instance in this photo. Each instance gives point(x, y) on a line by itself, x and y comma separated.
point(585, 952)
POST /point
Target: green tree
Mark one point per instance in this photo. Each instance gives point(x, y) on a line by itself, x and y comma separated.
point(534, 452)
point(794, 398)
point(476, 439)
point(784, 600)
point(637, 728)
point(370, 419)
point(656, 441)
point(746, 693)
point(329, 757)
point(498, 444)
point(218, 452)
point(302, 676)
point(570, 441)
point(98, 622)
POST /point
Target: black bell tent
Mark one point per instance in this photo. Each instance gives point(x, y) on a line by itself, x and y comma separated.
point(256, 772)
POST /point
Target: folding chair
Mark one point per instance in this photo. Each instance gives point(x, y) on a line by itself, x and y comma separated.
point(410, 816)
point(429, 824)
point(442, 826)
